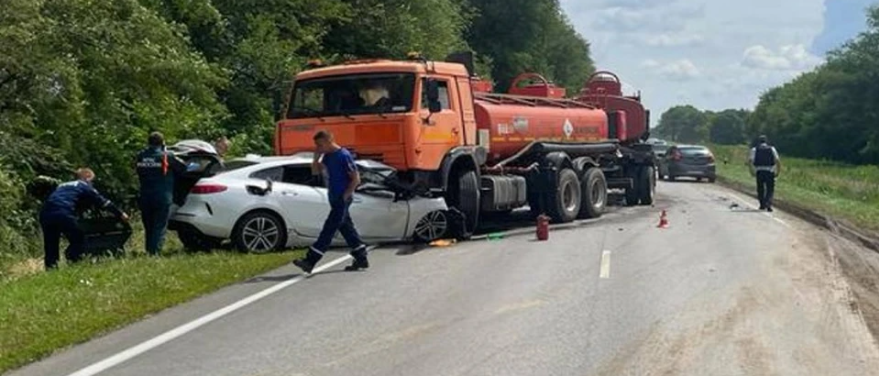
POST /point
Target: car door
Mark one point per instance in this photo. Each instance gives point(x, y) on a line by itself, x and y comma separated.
point(377, 217)
point(304, 205)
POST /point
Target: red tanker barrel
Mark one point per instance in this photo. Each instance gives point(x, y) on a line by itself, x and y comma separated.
point(512, 126)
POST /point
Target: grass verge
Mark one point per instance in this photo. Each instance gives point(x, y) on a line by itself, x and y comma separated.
point(846, 192)
point(43, 312)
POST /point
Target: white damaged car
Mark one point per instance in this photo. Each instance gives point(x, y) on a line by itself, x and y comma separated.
point(270, 203)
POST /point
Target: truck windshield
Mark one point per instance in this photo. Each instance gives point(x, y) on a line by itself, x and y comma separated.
point(352, 95)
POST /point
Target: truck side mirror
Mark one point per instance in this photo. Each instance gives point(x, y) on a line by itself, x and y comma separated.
point(433, 103)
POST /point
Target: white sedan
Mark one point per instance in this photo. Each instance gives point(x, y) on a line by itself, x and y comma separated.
point(269, 203)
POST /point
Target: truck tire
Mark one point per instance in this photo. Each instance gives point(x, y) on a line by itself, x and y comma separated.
point(648, 185)
point(564, 203)
point(633, 193)
point(463, 195)
point(594, 194)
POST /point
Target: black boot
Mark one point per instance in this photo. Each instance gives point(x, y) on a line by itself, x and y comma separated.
point(307, 264)
point(360, 260)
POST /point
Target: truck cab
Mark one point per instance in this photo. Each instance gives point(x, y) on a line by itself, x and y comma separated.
point(381, 110)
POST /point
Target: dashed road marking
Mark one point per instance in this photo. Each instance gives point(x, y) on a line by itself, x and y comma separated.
point(605, 265)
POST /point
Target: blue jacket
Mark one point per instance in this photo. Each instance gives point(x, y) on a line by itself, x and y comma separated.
point(71, 196)
point(156, 170)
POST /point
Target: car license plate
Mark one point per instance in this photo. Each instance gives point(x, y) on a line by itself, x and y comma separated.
point(696, 172)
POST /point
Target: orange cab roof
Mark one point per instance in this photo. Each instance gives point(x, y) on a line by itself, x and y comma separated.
point(370, 66)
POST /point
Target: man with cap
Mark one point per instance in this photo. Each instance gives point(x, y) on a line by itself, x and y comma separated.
point(156, 170)
point(58, 216)
point(766, 166)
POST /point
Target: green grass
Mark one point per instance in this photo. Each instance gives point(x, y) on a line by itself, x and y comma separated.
point(43, 312)
point(846, 192)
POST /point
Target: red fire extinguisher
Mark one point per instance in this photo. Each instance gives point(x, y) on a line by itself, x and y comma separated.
point(542, 227)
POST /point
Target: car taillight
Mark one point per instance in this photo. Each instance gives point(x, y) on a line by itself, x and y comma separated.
point(206, 189)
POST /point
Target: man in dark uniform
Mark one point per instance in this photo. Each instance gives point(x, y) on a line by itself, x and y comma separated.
point(58, 216)
point(766, 166)
point(156, 169)
point(342, 178)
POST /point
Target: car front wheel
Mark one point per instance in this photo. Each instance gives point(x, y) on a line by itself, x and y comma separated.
point(433, 226)
point(259, 232)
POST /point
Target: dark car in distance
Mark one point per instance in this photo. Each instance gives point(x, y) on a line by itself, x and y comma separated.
point(692, 161)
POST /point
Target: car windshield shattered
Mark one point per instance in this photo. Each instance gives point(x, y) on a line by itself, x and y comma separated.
point(353, 95)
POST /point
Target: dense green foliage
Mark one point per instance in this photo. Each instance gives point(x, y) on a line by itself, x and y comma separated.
point(82, 82)
point(689, 124)
point(530, 35)
point(832, 111)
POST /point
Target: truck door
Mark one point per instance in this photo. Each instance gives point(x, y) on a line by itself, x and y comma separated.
point(444, 130)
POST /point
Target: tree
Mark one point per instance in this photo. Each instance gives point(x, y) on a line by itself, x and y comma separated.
point(529, 36)
point(728, 127)
point(684, 124)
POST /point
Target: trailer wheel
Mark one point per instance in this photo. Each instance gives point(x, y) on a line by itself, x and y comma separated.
point(564, 205)
point(647, 185)
point(464, 196)
point(594, 196)
point(633, 193)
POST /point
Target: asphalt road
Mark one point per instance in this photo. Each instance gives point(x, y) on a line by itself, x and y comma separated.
point(725, 290)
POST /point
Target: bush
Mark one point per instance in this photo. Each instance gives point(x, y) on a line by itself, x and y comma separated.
point(15, 223)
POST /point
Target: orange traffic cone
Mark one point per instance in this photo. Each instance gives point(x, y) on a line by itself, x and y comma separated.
point(663, 220)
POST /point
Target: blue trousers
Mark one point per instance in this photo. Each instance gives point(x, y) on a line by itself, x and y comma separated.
point(54, 225)
point(155, 215)
point(339, 220)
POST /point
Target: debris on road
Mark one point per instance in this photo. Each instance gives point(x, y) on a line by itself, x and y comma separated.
point(443, 243)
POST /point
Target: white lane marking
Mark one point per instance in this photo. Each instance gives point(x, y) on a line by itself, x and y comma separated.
point(605, 265)
point(170, 335)
point(752, 206)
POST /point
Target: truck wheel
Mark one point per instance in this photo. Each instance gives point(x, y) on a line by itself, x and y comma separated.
point(464, 196)
point(594, 196)
point(564, 205)
point(647, 186)
point(633, 193)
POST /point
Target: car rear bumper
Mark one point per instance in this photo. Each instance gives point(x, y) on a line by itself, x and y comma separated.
point(199, 216)
point(703, 171)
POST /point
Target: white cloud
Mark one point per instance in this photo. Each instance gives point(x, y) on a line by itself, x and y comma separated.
point(673, 40)
point(696, 47)
point(681, 70)
point(791, 57)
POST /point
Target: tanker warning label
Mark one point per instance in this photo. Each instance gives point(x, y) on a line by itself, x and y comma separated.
point(568, 128)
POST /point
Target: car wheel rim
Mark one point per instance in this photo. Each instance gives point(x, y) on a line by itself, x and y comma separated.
point(432, 226)
point(260, 234)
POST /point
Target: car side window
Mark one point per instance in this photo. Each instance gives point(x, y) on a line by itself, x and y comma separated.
point(274, 173)
point(301, 175)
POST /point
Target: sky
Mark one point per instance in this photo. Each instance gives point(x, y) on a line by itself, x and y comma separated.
point(713, 54)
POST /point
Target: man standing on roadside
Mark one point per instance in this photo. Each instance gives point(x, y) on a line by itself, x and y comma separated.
point(58, 216)
point(342, 179)
point(766, 166)
point(156, 170)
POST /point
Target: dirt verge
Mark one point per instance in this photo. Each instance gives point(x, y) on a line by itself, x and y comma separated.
point(856, 250)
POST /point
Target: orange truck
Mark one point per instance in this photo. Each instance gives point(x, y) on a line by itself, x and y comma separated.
point(448, 135)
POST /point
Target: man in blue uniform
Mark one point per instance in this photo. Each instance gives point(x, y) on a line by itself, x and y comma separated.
point(766, 166)
point(342, 179)
point(58, 216)
point(156, 170)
